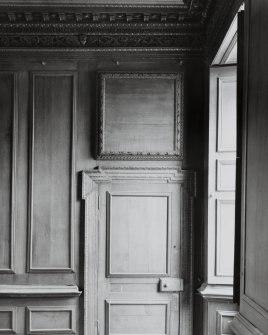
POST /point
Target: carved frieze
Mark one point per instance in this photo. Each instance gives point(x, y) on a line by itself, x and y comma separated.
point(100, 41)
point(111, 26)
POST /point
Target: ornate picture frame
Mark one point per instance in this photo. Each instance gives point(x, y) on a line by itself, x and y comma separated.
point(140, 116)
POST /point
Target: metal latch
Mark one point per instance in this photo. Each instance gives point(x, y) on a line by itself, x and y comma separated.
point(171, 284)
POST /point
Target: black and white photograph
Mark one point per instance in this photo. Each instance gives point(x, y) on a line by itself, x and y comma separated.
point(134, 167)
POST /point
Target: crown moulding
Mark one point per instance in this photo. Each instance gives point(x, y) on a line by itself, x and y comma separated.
point(109, 26)
point(192, 11)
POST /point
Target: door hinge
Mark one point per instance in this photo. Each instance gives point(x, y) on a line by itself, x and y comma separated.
point(98, 327)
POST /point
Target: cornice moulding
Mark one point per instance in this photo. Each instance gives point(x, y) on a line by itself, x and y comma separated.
point(117, 4)
point(33, 25)
point(216, 292)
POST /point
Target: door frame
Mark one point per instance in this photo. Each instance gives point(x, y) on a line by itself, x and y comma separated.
point(91, 181)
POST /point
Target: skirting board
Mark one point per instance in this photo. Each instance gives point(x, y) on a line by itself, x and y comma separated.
point(240, 326)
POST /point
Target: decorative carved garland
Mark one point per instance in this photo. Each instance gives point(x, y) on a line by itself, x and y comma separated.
point(101, 41)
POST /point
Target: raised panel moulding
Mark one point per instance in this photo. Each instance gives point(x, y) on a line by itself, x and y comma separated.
point(154, 322)
point(241, 326)
point(156, 218)
point(51, 320)
point(8, 153)
point(51, 194)
point(226, 113)
point(8, 320)
point(39, 291)
point(226, 175)
point(223, 322)
point(225, 237)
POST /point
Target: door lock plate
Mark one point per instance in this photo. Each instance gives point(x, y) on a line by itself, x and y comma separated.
point(171, 284)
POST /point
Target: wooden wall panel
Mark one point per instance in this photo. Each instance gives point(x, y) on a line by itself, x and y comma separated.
point(224, 318)
point(51, 320)
point(8, 320)
point(51, 120)
point(139, 234)
point(8, 138)
point(52, 172)
point(137, 318)
point(226, 114)
point(225, 175)
point(225, 237)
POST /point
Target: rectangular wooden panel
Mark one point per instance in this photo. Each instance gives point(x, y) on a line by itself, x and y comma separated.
point(137, 318)
point(224, 318)
point(140, 116)
point(52, 172)
point(8, 320)
point(226, 170)
point(50, 320)
point(8, 138)
point(225, 237)
point(226, 114)
point(138, 234)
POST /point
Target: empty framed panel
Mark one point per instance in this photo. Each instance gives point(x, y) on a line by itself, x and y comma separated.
point(143, 317)
point(138, 229)
point(140, 116)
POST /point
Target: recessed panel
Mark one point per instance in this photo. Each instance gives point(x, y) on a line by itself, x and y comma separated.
point(224, 319)
point(7, 166)
point(226, 114)
point(140, 115)
point(7, 320)
point(143, 318)
point(50, 320)
point(52, 171)
point(226, 170)
point(138, 234)
point(225, 237)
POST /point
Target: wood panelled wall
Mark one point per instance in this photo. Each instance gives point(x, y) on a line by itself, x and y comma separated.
point(48, 130)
